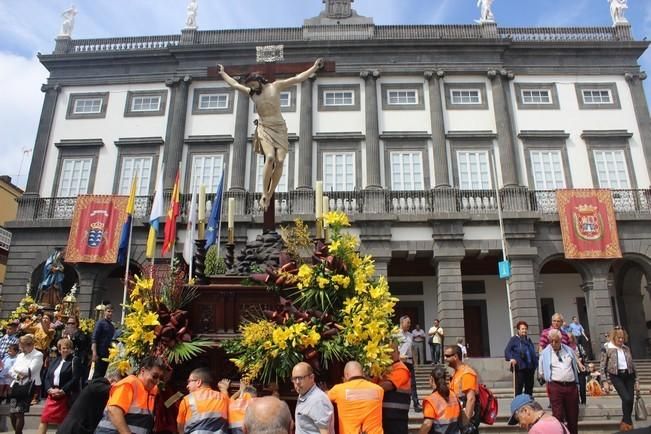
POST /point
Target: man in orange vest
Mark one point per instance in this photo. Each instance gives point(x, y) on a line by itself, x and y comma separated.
point(130, 407)
point(238, 404)
point(464, 383)
point(397, 392)
point(203, 409)
point(359, 402)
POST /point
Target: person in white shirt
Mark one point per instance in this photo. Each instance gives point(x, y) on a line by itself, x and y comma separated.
point(436, 342)
point(464, 350)
point(419, 344)
point(405, 343)
point(26, 368)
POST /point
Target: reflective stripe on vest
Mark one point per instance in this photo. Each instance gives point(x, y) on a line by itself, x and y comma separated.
point(209, 422)
point(140, 420)
point(236, 411)
point(444, 422)
point(396, 404)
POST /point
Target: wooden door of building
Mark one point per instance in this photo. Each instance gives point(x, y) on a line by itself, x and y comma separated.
point(475, 322)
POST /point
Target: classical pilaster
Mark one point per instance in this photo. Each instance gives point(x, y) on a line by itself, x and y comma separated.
point(641, 109)
point(176, 134)
point(305, 131)
point(522, 289)
point(441, 172)
point(42, 139)
point(448, 253)
point(373, 171)
point(509, 163)
point(238, 168)
point(598, 305)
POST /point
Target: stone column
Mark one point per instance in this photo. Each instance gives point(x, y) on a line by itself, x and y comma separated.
point(305, 132)
point(522, 289)
point(42, 139)
point(597, 300)
point(176, 134)
point(641, 109)
point(373, 170)
point(240, 140)
point(450, 297)
point(441, 172)
point(448, 252)
point(509, 162)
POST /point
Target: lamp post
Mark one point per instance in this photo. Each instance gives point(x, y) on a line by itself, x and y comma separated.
point(70, 302)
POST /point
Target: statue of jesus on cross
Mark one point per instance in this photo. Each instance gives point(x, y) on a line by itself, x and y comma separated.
point(270, 138)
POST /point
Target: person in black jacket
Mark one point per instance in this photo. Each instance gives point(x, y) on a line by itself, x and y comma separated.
point(87, 411)
point(80, 344)
point(522, 356)
point(62, 383)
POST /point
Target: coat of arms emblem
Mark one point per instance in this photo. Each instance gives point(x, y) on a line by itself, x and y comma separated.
point(95, 234)
point(587, 222)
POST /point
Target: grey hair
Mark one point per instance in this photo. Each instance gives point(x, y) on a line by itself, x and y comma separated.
point(279, 423)
point(558, 316)
point(555, 333)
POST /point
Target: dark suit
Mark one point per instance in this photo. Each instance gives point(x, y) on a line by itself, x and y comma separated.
point(69, 378)
point(86, 412)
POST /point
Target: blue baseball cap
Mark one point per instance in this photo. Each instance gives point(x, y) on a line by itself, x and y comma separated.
point(517, 403)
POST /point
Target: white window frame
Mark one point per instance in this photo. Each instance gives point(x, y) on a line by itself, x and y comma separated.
point(140, 166)
point(483, 179)
point(330, 178)
point(404, 179)
point(283, 184)
point(601, 94)
point(541, 161)
point(338, 98)
point(402, 96)
point(86, 101)
point(69, 185)
point(532, 99)
point(142, 99)
point(218, 97)
point(617, 162)
point(285, 99)
point(210, 174)
point(462, 99)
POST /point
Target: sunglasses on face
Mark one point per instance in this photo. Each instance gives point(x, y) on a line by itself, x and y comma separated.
point(447, 356)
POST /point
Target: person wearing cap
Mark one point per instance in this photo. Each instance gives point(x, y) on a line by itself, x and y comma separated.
point(529, 415)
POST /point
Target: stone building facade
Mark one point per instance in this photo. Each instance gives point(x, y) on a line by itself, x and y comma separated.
point(403, 135)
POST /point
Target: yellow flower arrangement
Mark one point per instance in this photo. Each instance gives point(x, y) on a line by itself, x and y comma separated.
point(342, 285)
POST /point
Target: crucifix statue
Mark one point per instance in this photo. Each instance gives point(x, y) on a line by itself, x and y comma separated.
point(270, 138)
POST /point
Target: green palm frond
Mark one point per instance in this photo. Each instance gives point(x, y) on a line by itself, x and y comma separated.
point(184, 351)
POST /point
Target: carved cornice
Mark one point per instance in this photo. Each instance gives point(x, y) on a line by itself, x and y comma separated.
point(375, 74)
point(48, 87)
point(175, 81)
point(439, 74)
point(631, 76)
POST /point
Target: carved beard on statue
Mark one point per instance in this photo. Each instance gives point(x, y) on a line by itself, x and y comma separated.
point(253, 77)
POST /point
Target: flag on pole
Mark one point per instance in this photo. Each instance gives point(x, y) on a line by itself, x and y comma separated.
point(215, 214)
point(172, 214)
point(188, 246)
point(157, 211)
point(125, 239)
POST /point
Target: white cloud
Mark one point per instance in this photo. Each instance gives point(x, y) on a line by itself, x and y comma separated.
point(21, 101)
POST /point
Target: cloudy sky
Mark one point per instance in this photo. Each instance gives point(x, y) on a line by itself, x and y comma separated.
point(30, 26)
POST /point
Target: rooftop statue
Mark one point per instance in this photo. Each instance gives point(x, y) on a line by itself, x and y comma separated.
point(68, 23)
point(338, 8)
point(191, 19)
point(270, 138)
point(486, 14)
point(617, 8)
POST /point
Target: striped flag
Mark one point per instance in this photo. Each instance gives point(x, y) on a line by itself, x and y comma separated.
point(188, 245)
point(215, 214)
point(172, 215)
point(157, 211)
point(125, 239)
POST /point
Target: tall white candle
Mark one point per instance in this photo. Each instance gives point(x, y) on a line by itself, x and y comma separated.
point(318, 199)
point(326, 204)
point(231, 212)
point(202, 203)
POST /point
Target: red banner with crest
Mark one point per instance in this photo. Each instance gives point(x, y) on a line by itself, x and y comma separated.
point(95, 229)
point(588, 224)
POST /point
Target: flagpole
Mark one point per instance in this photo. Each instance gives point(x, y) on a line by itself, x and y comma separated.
point(219, 217)
point(126, 272)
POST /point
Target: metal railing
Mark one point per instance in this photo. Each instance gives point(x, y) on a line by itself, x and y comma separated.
point(426, 203)
point(342, 32)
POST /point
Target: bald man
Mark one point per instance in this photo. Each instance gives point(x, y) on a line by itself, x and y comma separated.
point(268, 415)
point(359, 402)
point(314, 411)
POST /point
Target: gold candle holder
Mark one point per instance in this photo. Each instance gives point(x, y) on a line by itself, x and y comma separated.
point(202, 230)
point(319, 228)
point(231, 235)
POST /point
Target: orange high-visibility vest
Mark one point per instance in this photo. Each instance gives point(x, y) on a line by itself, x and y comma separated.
point(236, 410)
point(204, 411)
point(359, 405)
point(137, 404)
point(396, 402)
point(444, 414)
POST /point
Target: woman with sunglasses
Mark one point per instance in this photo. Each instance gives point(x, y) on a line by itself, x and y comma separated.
point(618, 369)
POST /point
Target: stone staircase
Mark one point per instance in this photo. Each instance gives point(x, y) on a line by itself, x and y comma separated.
point(601, 415)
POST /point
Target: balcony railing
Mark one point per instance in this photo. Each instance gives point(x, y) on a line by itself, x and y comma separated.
point(424, 203)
